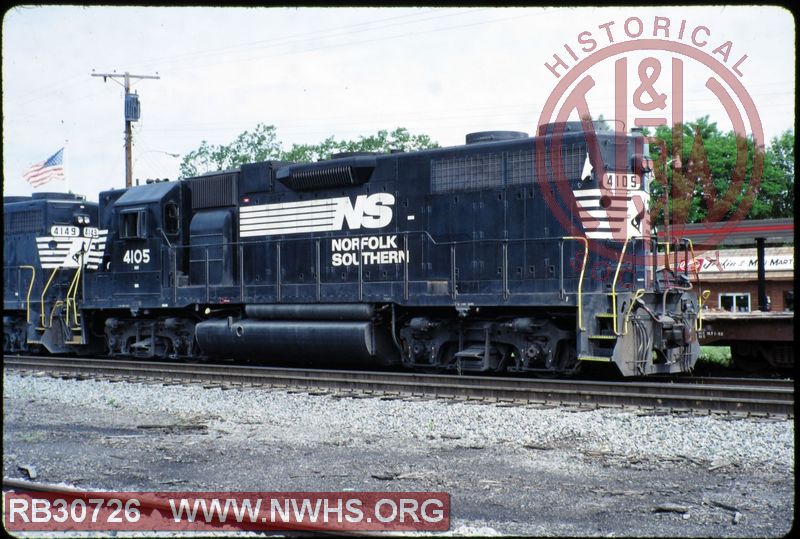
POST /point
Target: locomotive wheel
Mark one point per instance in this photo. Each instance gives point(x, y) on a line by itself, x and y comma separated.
point(565, 363)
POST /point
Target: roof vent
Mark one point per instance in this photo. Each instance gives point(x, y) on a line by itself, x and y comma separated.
point(492, 136)
point(572, 127)
point(56, 196)
point(342, 155)
point(326, 174)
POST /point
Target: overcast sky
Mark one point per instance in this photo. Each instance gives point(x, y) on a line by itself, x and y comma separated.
point(316, 72)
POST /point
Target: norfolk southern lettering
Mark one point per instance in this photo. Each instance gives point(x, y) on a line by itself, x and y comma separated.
point(367, 250)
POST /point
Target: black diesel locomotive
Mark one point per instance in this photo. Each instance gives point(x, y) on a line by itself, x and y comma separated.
point(468, 258)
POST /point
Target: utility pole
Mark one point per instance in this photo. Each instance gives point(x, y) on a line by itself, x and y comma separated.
point(131, 114)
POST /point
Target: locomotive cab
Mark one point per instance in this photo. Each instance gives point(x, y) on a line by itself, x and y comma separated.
point(145, 221)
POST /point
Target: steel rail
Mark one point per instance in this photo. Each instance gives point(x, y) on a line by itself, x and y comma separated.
point(759, 397)
point(733, 381)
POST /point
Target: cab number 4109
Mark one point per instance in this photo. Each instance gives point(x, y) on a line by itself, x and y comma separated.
point(136, 256)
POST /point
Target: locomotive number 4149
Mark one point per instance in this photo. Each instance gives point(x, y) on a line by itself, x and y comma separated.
point(136, 256)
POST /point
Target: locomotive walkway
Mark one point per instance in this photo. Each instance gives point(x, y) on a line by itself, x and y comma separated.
point(718, 395)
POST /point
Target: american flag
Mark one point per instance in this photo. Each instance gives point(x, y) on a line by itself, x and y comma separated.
point(50, 169)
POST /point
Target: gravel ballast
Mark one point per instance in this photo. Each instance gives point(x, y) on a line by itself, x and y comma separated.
point(509, 469)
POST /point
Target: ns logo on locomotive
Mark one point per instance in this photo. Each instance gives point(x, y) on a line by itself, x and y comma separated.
point(443, 259)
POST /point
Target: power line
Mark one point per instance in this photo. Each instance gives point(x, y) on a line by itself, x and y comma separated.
point(299, 38)
point(351, 43)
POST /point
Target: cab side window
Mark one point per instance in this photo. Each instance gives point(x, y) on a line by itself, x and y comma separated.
point(133, 224)
point(171, 218)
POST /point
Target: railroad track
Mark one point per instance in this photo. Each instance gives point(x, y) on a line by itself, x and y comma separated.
point(741, 396)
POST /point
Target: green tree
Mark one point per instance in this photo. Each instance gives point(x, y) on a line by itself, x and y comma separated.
point(711, 178)
point(777, 188)
point(262, 144)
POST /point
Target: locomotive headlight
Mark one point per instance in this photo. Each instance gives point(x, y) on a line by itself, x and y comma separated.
point(82, 219)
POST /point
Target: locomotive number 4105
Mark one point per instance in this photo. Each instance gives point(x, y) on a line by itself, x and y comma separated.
point(136, 256)
point(629, 181)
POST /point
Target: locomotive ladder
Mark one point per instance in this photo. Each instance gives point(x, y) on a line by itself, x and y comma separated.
point(608, 329)
point(603, 341)
point(611, 326)
point(72, 318)
point(42, 325)
point(75, 329)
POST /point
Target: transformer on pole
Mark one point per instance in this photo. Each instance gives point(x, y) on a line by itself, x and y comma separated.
point(132, 113)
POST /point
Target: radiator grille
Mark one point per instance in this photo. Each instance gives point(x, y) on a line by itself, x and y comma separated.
point(467, 173)
point(520, 167)
point(572, 160)
point(497, 170)
point(319, 178)
point(23, 221)
point(214, 191)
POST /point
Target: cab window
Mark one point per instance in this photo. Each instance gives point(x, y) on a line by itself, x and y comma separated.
point(171, 218)
point(133, 224)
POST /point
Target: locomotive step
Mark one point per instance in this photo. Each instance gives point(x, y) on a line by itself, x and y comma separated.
point(604, 315)
point(594, 358)
point(603, 337)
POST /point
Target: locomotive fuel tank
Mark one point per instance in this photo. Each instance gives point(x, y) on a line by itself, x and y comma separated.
point(345, 333)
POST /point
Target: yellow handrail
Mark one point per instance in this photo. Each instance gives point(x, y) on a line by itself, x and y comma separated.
point(691, 251)
point(73, 286)
point(30, 289)
point(580, 279)
point(639, 293)
point(666, 252)
point(44, 291)
point(704, 294)
point(75, 293)
point(701, 294)
point(66, 298)
point(614, 286)
point(53, 311)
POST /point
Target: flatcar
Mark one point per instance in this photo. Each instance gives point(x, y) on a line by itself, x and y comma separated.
point(508, 253)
